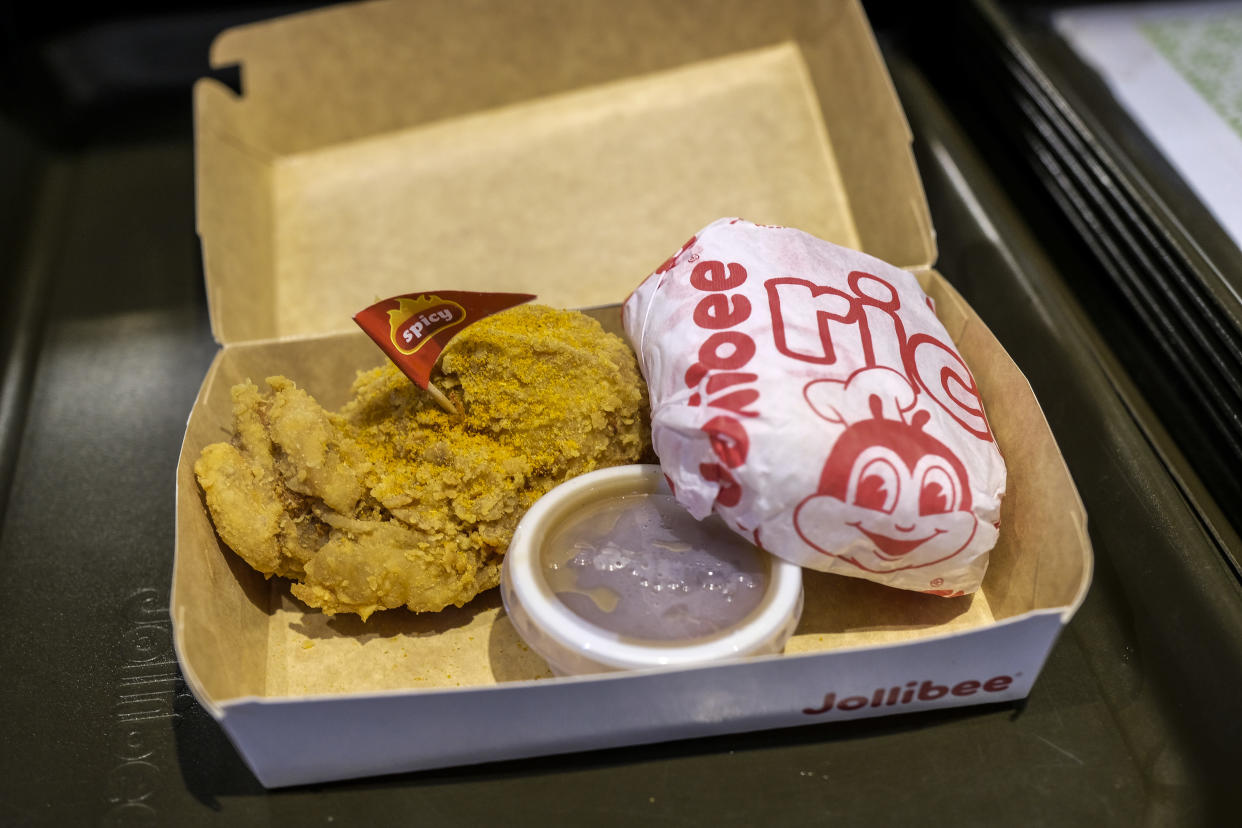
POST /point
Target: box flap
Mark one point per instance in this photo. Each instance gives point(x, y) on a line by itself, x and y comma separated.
point(385, 147)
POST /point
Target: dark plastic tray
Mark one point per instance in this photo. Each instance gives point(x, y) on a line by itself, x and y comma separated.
point(1162, 278)
point(1131, 722)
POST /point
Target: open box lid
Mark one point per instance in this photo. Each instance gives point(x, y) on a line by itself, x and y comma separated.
point(559, 148)
point(582, 143)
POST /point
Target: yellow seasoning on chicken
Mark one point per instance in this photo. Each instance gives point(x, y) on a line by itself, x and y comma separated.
point(414, 328)
point(393, 501)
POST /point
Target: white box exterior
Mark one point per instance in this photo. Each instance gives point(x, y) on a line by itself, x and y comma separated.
point(305, 740)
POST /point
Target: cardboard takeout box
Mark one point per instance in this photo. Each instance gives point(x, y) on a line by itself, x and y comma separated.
point(564, 149)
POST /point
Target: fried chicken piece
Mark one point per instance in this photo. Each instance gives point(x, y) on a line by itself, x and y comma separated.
point(264, 520)
point(314, 457)
point(378, 564)
point(393, 502)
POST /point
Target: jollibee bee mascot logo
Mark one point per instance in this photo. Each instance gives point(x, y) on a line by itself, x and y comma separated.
point(890, 496)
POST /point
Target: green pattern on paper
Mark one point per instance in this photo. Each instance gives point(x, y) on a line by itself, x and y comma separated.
point(1207, 52)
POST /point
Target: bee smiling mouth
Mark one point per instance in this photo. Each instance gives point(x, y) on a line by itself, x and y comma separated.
point(893, 548)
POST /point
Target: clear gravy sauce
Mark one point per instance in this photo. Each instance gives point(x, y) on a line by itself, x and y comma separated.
point(639, 565)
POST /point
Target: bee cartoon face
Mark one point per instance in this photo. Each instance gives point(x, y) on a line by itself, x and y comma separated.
point(890, 497)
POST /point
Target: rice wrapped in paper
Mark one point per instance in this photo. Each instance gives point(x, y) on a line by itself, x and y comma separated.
point(808, 394)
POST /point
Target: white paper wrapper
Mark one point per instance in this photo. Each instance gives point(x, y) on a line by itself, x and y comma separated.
point(808, 394)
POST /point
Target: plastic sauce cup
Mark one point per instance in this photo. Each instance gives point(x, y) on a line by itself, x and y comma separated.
point(604, 574)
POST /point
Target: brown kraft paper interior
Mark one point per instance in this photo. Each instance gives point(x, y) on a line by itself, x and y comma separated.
point(572, 179)
point(288, 650)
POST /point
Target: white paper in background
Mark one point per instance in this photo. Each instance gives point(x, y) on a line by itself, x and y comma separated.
point(1177, 68)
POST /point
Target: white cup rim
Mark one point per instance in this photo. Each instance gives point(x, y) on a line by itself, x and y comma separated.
point(525, 583)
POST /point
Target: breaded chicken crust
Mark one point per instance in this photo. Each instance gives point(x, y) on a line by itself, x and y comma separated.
point(393, 502)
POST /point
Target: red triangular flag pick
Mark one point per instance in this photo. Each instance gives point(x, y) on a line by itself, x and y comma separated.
point(414, 328)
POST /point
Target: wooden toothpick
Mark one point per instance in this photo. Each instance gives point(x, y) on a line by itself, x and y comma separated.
point(441, 400)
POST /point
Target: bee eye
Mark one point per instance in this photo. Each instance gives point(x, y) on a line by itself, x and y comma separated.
point(937, 494)
point(877, 486)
